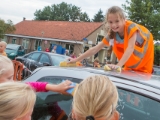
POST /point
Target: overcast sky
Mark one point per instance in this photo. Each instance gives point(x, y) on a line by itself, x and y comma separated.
point(15, 10)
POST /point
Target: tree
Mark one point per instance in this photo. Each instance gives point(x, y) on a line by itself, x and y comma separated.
point(6, 28)
point(84, 17)
point(61, 12)
point(157, 55)
point(99, 17)
point(43, 14)
point(146, 13)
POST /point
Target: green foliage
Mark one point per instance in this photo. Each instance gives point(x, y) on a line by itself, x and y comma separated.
point(146, 13)
point(99, 16)
point(84, 17)
point(6, 28)
point(157, 55)
point(61, 12)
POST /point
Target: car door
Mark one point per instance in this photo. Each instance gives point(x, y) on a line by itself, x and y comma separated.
point(51, 104)
point(44, 60)
point(20, 51)
point(31, 61)
point(135, 106)
point(131, 105)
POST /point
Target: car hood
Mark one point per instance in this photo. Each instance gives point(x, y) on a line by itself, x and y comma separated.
point(10, 51)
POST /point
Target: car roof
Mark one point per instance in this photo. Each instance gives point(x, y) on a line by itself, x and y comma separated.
point(14, 44)
point(143, 78)
point(49, 53)
point(128, 80)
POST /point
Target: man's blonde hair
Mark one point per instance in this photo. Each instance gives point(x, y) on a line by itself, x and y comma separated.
point(4, 61)
point(95, 96)
point(16, 100)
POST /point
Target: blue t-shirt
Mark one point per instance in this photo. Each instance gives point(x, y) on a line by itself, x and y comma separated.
point(119, 39)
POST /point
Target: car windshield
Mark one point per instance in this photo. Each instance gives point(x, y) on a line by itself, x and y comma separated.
point(57, 59)
point(12, 47)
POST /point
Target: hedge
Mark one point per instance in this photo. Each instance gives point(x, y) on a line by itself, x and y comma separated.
point(157, 55)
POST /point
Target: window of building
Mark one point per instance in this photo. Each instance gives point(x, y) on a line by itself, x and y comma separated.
point(99, 38)
point(14, 41)
point(25, 43)
point(37, 43)
point(86, 48)
point(70, 47)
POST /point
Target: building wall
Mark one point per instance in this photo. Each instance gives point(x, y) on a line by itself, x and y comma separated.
point(78, 48)
point(93, 37)
point(31, 46)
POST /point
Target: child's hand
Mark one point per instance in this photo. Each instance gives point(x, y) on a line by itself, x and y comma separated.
point(72, 60)
point(62, 87)
point(112, 66)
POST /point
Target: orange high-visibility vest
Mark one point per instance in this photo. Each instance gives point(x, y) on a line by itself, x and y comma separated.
point(143, 54)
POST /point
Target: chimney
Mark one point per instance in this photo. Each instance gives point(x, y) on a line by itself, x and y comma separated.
point(24, 18)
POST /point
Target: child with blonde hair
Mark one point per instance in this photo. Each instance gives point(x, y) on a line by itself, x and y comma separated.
point(7, 72)
point(16, 101)
point(3, 48)
point(95, 98)
point(133, 43)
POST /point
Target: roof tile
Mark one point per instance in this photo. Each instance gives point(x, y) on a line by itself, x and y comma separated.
point(64, 30)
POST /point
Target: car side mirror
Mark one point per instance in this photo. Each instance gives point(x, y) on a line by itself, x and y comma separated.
point(46, 64)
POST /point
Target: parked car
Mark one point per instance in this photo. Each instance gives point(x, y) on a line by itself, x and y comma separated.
point(139, 94)
point(156, 70)
point(14, 50)
point(37, 59)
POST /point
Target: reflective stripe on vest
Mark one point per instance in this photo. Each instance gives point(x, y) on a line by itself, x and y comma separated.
point(139, 39)
point(134, 25)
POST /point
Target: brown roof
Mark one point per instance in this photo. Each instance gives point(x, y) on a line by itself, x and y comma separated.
point(57, 29)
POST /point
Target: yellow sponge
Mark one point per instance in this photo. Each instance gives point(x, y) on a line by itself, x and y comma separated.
point(119, 69)
point(65, 64)
point(107, 68)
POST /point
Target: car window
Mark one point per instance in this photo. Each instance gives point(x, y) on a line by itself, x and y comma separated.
point(57, 59)
point(19, 48)
point(22, 47)
point(51, 104)
point(44, 59)
point(132, 106)
point(11, 47)
point(34, 56)
point(28, 56)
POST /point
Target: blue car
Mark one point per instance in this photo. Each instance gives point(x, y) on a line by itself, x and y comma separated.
point(14, 50)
